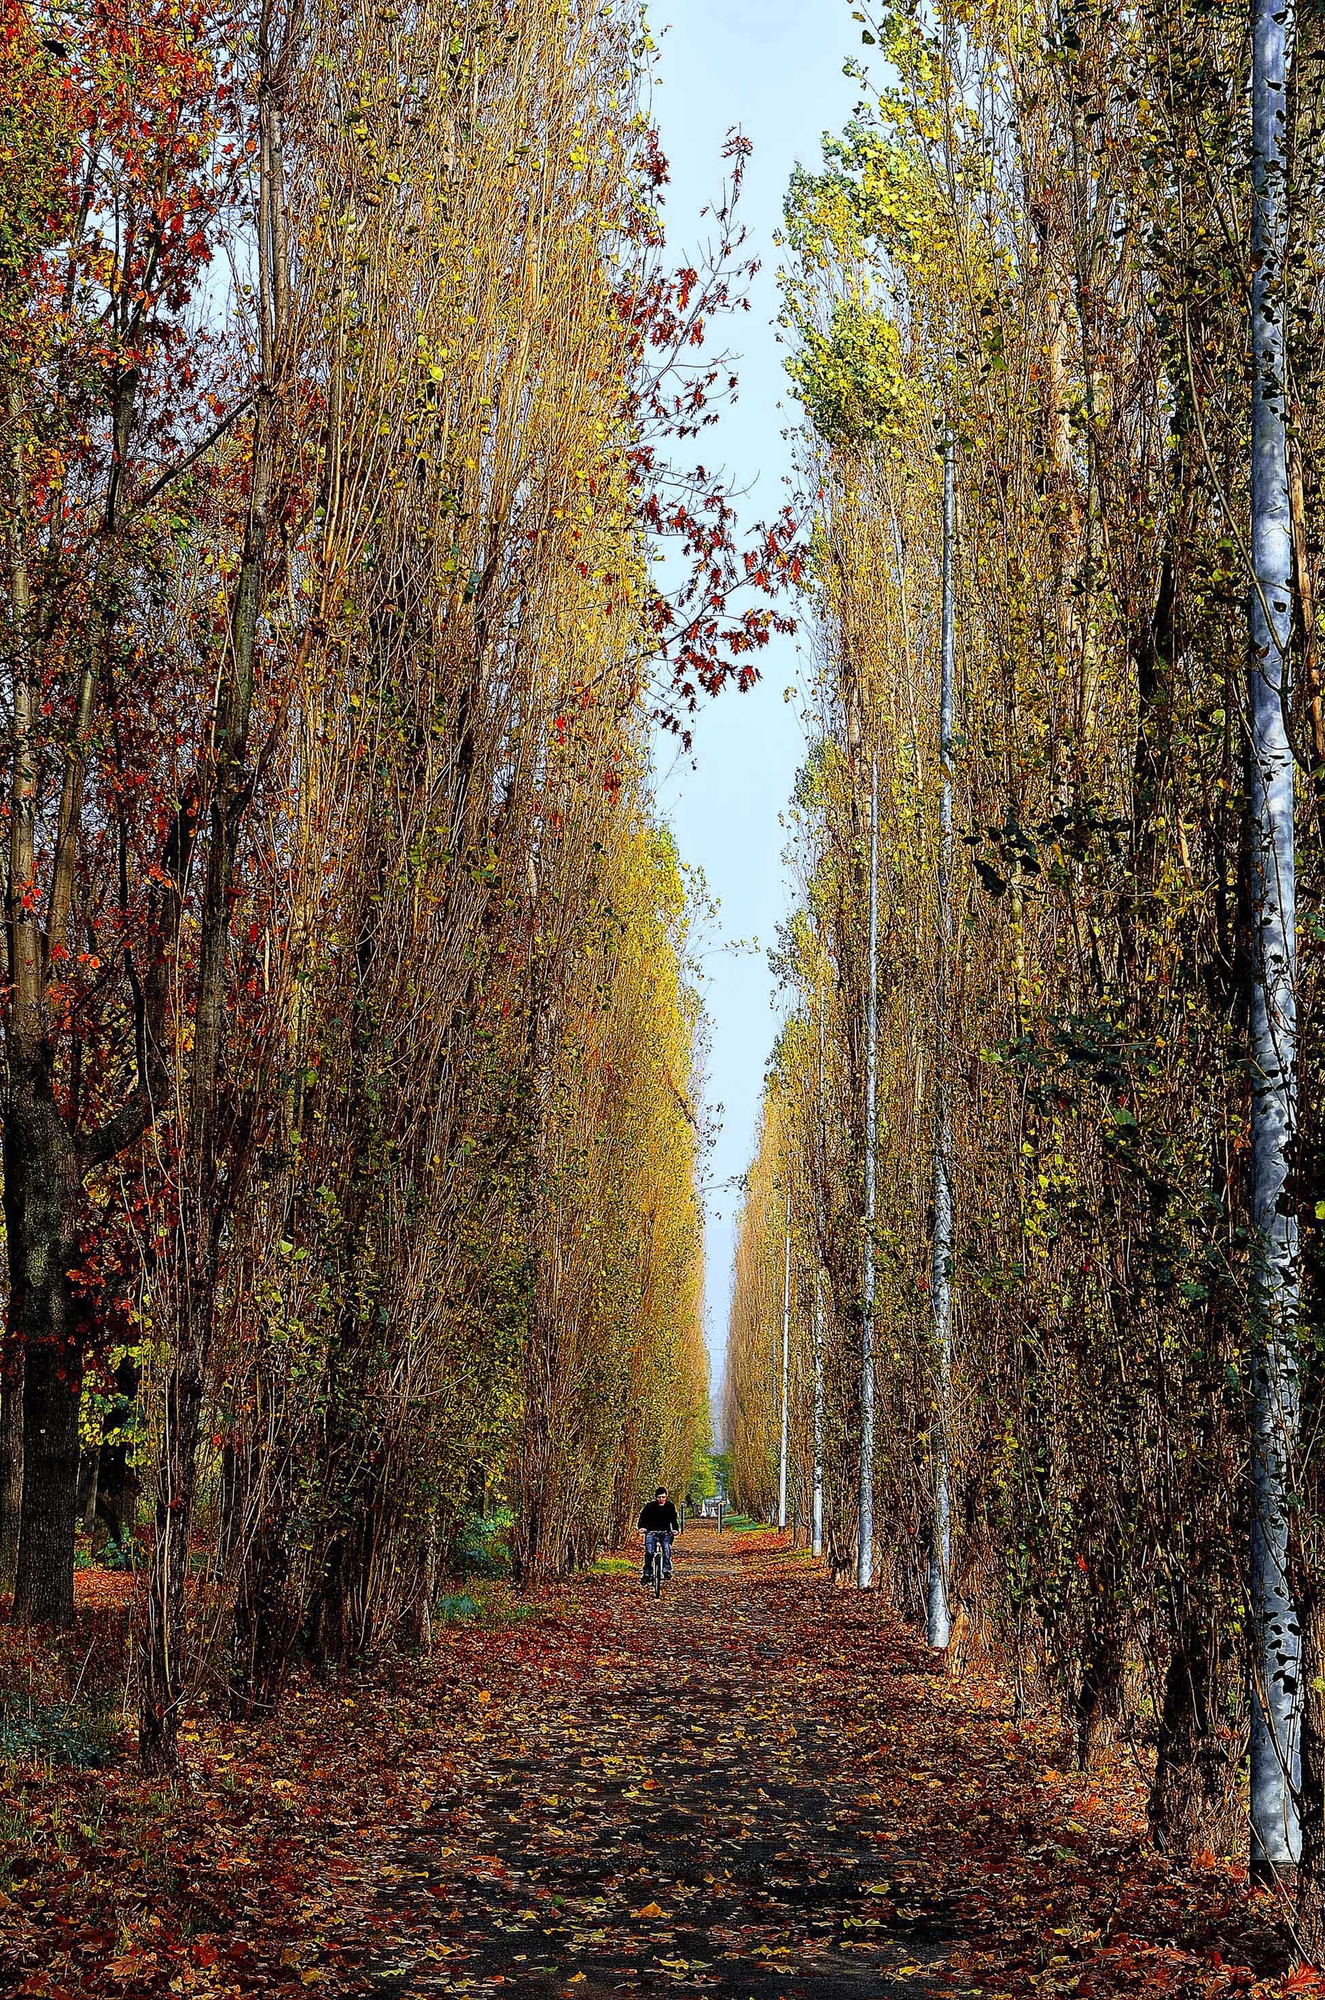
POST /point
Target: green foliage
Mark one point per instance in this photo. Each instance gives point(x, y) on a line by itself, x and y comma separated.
point(850, 378)
point(703, 1481)
point(61, 1733)
point(451, 1610)
point(482, 1545)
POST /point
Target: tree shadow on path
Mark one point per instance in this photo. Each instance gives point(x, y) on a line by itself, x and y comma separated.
point(759, 1789)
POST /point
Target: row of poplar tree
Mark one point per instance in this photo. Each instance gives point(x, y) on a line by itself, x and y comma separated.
point(1035, 1202)
point(349, 1100)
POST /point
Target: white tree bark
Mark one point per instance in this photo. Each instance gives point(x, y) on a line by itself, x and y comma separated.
point(786, 1360)
point(817, 1476)
point(940, 1546)
point(1276, 1645)
point(865, 1545)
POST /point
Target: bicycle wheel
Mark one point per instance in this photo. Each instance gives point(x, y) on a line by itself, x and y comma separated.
point(657, 1572)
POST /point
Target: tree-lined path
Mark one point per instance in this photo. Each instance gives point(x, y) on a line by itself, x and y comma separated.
point(761, 1788)
point(364, 557)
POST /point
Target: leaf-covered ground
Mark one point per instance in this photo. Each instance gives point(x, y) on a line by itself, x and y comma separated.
point(757, 1788)
point(761, 1787)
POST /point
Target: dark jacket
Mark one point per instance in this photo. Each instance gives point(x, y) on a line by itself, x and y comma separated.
point(659, 1514)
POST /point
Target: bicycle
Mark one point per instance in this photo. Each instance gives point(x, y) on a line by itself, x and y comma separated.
point(657, 1563)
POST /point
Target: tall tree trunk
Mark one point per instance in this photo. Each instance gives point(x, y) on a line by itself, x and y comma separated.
point(42, 1187)
point(1193, 1792)
point(940, 1542)
point(820, 1178)
point(205, 1201)
point(43, 1190)
point(1275, 1636)
point(266, 1615)
point(786, 1361)
point(865, 1538)
point(1311, 1874)
point(11, 1460)
point(1100, 1689)
point(204, 1204)
point(89, 1475)
point(117, 1482)
point(208, 1194)
point(817, 1475)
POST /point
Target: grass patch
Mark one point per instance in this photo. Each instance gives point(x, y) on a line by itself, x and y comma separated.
point(455, 1610)
point(511, 1613)
point(613, 1565)
point(84, 1738)
point(489, 1602)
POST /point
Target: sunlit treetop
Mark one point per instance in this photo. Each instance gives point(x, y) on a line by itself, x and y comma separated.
point(850, 378)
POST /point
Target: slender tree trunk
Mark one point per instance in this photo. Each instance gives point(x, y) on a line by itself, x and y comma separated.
point(817, 1476)
point(266, 1616)
point(44, 1159)
point(865, 1543)
point(1275, 1636)
point(1099, 1692)
point(203, 1208)
point(1194, 1790)
point(11, 1462)
point(89, 1475)
point(207, 1193)
point(817, 1488)
point(42, 1195)
point(940, 1548)
point(42, 1184)
point(1311, 1803)
point(786, 1360)
point(117, 1482)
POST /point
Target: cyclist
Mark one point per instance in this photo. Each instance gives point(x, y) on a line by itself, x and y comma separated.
point(658, 1523)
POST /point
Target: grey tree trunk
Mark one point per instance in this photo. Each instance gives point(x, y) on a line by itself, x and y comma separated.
point(940, 1548)
point(41, 1182)
point(817, 1473)
point(786, 1361)
point(89, 1482)
point(41, 1200)
point(11, 1467)
point(1276, 1637)
point(865, 1544)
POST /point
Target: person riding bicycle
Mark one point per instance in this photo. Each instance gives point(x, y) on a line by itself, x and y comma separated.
point(658, 1523)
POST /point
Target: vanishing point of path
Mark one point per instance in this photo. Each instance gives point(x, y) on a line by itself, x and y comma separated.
point(762, 1788)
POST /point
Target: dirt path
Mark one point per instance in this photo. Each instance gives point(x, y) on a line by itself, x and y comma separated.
point(760, 1788)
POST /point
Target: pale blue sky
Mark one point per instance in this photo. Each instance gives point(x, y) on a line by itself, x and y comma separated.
point(773, 67)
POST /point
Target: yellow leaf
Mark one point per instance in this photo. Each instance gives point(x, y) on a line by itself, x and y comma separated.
point(650, 1910)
